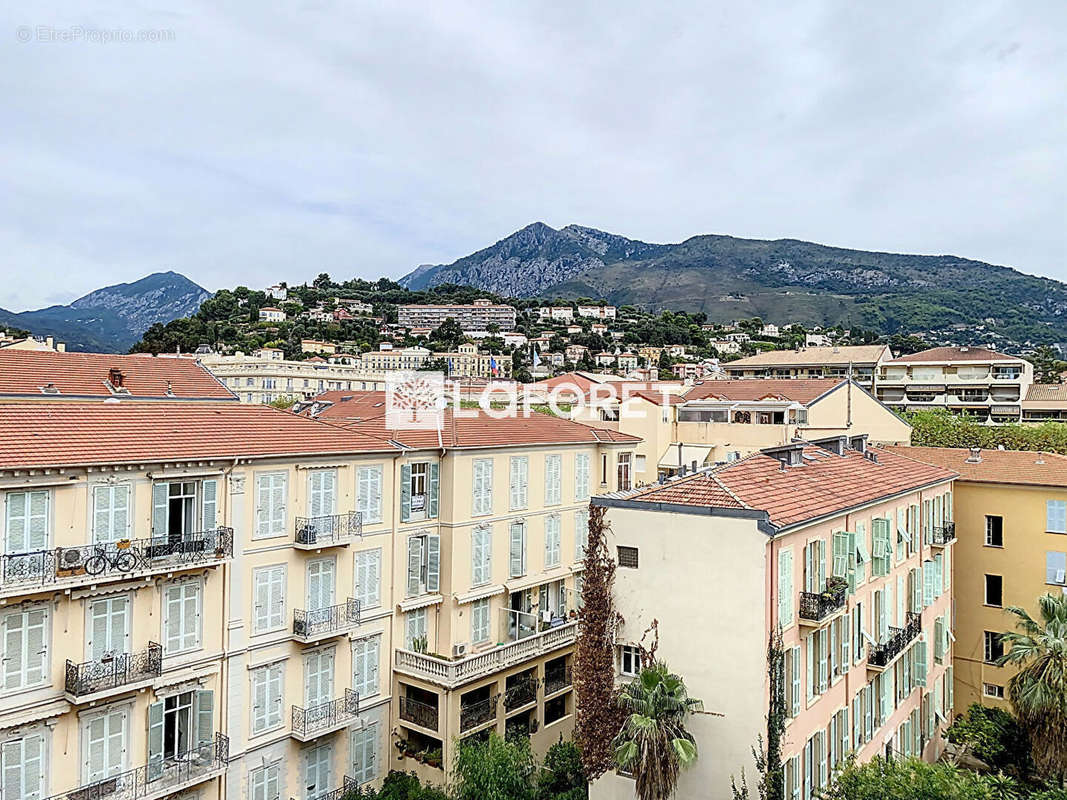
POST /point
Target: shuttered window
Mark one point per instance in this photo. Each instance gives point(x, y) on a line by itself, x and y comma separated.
point(424, 564)
point(365, 753)
point(369, 493)
point(270, 504)
point(317, 770)
point(519, 481)
point(581, 533)
point(581, 477)
point(552, 541)
point(25, 656)
point(482, 501)
point(481, 555)
point(318, 677)
point(881, 548)
point(181, 617)
point(268, 593)
point(415, 628)
point(265, 783)
point(369, 578)
point(23, 768)
point(553, 480)
point(27, 521)
point(108, 627)
point(267, 698)
point(480, 621)
point(111, 513)
point(366, 654)
point(321, 582)
point(785, 588)
point(517, 550)
point(322, 492)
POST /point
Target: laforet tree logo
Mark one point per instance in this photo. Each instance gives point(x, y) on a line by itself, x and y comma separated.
point(414, 400)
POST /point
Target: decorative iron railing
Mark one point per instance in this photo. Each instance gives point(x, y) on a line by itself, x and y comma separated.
point(157, 778)
point(127, 556)
point(521, 693)
point(558, 680)
point(348, 785)
point(418, 712)
point(324, 716)
point(325, 621)
point(943, 534)
point(113, 672)
point(471, 715)
point(882, 655)
point(817, 606)
point(329, 529)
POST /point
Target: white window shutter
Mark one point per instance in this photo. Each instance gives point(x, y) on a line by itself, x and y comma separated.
point(414, 565)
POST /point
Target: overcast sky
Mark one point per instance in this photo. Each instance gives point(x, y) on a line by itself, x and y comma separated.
point(362, 139)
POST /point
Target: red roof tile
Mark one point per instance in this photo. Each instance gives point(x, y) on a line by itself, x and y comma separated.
point(70, 433)
point(84, 375)
point(941, 354)
point(803, 390)
point(1024, 467)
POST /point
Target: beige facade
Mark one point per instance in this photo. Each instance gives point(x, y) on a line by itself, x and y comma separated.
point(862, 362)
point(477, 316)
point(264, 377)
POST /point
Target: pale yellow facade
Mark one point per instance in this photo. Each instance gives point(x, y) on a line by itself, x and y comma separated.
point(265, 378)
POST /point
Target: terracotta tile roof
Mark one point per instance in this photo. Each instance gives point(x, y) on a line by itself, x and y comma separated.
point(802, 390)
point(937, 355)
point(825, 484)
point(70, 433)
point(1025, 467)
point(471, 427)
point(84, 375)
point(857, 354)
point(1046, 395)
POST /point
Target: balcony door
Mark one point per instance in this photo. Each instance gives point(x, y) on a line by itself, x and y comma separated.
point(321, 578)
point(317, 763)
point(322, 493)
point(105, 744)
point(108, 628)
point(318, 678)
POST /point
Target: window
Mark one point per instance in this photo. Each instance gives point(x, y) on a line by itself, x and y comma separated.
point(994, 590)
point(519, 484)
point(366, 655)
point(785, 588)
point(268, 594)
point(267, 697)
point(552, 541)
point(265, 783)
point(23, 766)
point(108, 627)
point(581, 534)
point(1056, 516)
point(553, 480)
point(994, 531)
point(483, 487)
point(628, 557)
point(881, 548)
point(481, 555)
point(424, 564)
point(365, 753)
point(815, 565)
point(480, 621)
point(604, 469)
point(320, 583)
point(1056, 568)
point(993, 690)
point(415, 630)
point(322, 492)
point(624, 472)
point(318, 677)
point(270, 504)
point(181, 617)
point(111, 513)
point(993, 647)
point(419, 487)
point(629, 660)
point(181, 508)
point(369, 578)
point(317, 768)
point(581, 476)
point(517, 550)
point(369, 493)
point(27, 522)
point(178, 724)
point(104, 743)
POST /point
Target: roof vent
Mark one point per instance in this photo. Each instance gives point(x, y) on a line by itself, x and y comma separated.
point(976, 456)
point(170, 389)
point(50, 388)
point(858, 442)
point(1040, 458)
point(790, 455)
point(963, 349)
point(835, 444)
point(871, 456)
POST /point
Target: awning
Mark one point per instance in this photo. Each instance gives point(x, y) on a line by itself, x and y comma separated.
point(38, 713)
point(926, 387)
point(1004, 410)
point(689, 452)
point(480, 594)
point(420, 602)
point(518, 584)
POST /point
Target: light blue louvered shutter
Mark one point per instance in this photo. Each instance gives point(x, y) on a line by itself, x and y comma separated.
point(205, 717)
point(155, 740)
point(785, 588)
point(159, 508)
point(517, 558)
point(405, 492)
point(433, 563)
point(435, 472)
point(414, 565)
point(209, 515)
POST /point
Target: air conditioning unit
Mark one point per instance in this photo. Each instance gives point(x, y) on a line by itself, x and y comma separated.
point(459, 650)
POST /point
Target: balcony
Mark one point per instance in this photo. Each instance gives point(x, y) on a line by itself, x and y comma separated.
point(881, 657)
point(450, 674)
point(312, 722)
point(422, 714)
point(347, 785)
point(558, 680)
point(157, 779)
point(478, 713)
point(521, 693)
point(330, 530)
point(322, 623)
point(90, 564)
point(941, 535)
point(817, 608)
point(94, 680)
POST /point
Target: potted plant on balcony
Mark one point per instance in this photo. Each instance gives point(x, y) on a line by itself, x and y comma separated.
point(434, 757)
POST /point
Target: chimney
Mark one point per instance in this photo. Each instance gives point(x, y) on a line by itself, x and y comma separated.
point(976, 456)
point(50, 343)
point(115, 377)
point(61, 347)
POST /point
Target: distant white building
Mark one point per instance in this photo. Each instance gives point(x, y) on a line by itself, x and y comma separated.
point(271, 314)
point(816, 340)
point(278, 292)
point(597, 312)
point(513, 339)
point(769, 330)
point(727, 346)
point(565, 313)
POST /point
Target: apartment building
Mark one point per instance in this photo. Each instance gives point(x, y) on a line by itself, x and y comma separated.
point(841, 548)
point(556, 313)
point(196, 602)
point(263, 377)
point(862, 362)
point(1011, 548)
point(722, 420)
point(1045, 402)
point(491, 524)
point(965, 380)
point(317, 346)
point(597, 312)
point(385, 359)
point(477, 316)
point(467, 362)
point(271, 314)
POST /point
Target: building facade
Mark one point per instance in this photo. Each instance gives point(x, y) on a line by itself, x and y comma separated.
point(263, 377)
point(477, 316)
point(862, 362)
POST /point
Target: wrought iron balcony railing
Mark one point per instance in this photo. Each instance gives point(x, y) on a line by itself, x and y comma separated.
point(471, 715)
point(316, 719)
point(348, 785)
point(558, 680)
point(882, 655)
point(325, 621)
point(90, 562)
point(156, 779)
point(943, 534)
point(521, 693)
point(113, 672)
point(817, 606)
point(329, 529)
point(422, 714)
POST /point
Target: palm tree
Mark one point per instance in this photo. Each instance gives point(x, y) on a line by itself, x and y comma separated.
point(1038, 692)
point(653, 743)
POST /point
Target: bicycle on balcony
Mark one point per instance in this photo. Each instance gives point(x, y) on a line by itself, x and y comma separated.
point(123, 559)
